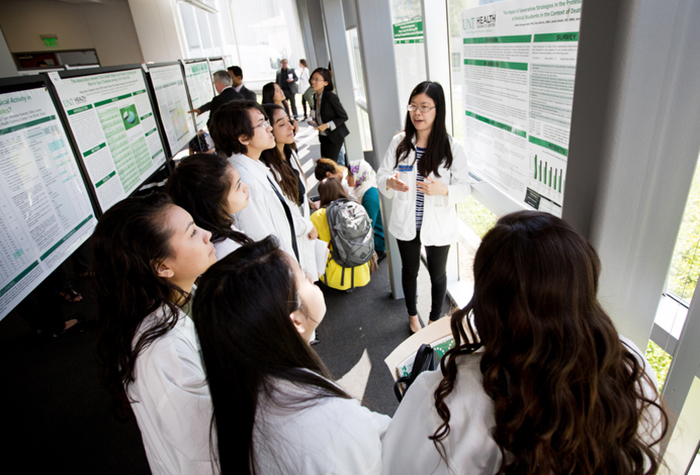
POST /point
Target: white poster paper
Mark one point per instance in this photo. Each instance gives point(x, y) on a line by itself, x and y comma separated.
point(171, 96)
point(519, 64)
point(112, 121)
point(45, 210)
point(409, 48)
point(199, 84)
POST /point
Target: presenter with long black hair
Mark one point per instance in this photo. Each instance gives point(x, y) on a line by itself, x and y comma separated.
point(425, 174)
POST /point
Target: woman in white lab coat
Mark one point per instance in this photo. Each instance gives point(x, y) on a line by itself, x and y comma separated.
point(284, 163)
point(276, 409)
point(209, 188)
point(425, 174)
point(241, 132)
point(539, 381)
point(148, 253)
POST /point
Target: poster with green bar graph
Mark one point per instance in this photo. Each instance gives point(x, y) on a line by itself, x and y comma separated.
point(518, 70)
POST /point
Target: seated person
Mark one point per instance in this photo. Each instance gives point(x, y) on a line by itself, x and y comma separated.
point(539, 380)
point(327, 168)
point(363, 180)
point(336, 276)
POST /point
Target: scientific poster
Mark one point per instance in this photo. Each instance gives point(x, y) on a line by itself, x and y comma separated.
point(199, 84)
point(112, 120)
point(409, 49)
point(171, 96)
point(216, 65)
point(519, 65)
point(45, 209)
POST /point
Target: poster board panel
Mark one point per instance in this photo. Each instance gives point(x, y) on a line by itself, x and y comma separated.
point(170, 91)
point(200, 88)
point(518, 71)
point(111, 117)
point(45, 207)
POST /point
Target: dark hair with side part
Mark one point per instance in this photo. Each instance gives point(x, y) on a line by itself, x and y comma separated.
point(129, 243)
point(326, 77)
point(242, 315)
point(236, 70)
point(439, 148)
point(303, 63)
point(200, 185)
point(289, 181)
point(568, 393)
point(229, 123)
point(325, 165)
point(329, 190)
point(268, 93)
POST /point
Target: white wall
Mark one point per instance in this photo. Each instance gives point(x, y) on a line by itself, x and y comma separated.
point(107, 28)
point(156, 24)
point(7, 64)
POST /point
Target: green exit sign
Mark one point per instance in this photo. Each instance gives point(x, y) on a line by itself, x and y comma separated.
point(50, 42)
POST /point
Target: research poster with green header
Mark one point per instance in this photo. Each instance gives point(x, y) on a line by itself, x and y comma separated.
point(409, 50)
point(171, 96)
point(518, 70)
point(45, 209)
point(112, 120)
point(199, 84)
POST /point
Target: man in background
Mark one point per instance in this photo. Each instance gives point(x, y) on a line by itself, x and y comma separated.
point(287, 80)
point(237, 77)
point(226, 93)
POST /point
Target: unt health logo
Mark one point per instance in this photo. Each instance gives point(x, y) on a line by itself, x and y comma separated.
point(486, 21)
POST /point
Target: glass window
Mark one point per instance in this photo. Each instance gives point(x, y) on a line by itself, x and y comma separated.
point(358, 79)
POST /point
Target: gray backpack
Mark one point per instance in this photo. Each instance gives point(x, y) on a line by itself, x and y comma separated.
point(352, 236)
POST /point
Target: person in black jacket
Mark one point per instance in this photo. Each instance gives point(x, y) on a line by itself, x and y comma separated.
point(237, 77)
point(329, 115)
point(287, 80)
point(226, 93)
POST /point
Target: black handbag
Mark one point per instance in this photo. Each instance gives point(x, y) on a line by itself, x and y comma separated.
point(426, 360)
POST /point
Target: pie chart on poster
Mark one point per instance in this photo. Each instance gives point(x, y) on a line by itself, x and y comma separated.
point(130, 117)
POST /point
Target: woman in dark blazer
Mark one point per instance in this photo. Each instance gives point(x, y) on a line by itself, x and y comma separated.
point(329, 115)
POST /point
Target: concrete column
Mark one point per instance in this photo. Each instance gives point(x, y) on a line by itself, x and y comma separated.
point(375, 34)
point(342, 74)
point(318, 33)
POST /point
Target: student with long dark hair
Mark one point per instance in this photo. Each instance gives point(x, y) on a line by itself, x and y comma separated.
point(272, 93)
point(336, 276)
point(211, 190)
point(241, 133)
point(425, 173)
point(148, 253)
point(284, 163)
point(276, 409)
point(328, 114)
point(539, 380)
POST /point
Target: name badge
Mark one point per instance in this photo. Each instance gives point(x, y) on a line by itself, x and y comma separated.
point(405, 168)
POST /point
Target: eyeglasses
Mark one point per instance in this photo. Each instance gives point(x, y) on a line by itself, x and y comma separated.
point(264, 124)
point(423, 109)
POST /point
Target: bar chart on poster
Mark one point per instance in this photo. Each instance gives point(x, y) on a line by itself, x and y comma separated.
point(171, 97)
point(45, 208)
point(200, 87)
point(518, 71)
point(111, 117)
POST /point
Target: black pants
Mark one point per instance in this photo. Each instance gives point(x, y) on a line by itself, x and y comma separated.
point(329, 149)
point(303, 105)
point(292, 100)
point(437, 264)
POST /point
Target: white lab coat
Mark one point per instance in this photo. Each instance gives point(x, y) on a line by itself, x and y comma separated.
point(264, 214)
point(440, 221)
point(469, 445)
point(172, 403)
point(326, 436)
point(226, 246)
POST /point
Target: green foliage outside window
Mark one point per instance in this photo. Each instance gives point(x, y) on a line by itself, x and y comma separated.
point(659, 360)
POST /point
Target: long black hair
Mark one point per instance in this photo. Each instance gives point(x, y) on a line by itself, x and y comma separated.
point(289, 180)
point(242, 314)
point(439, 148)
point(200, 185)
point(326, 75)
point(130, 242)
point(568, 395)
